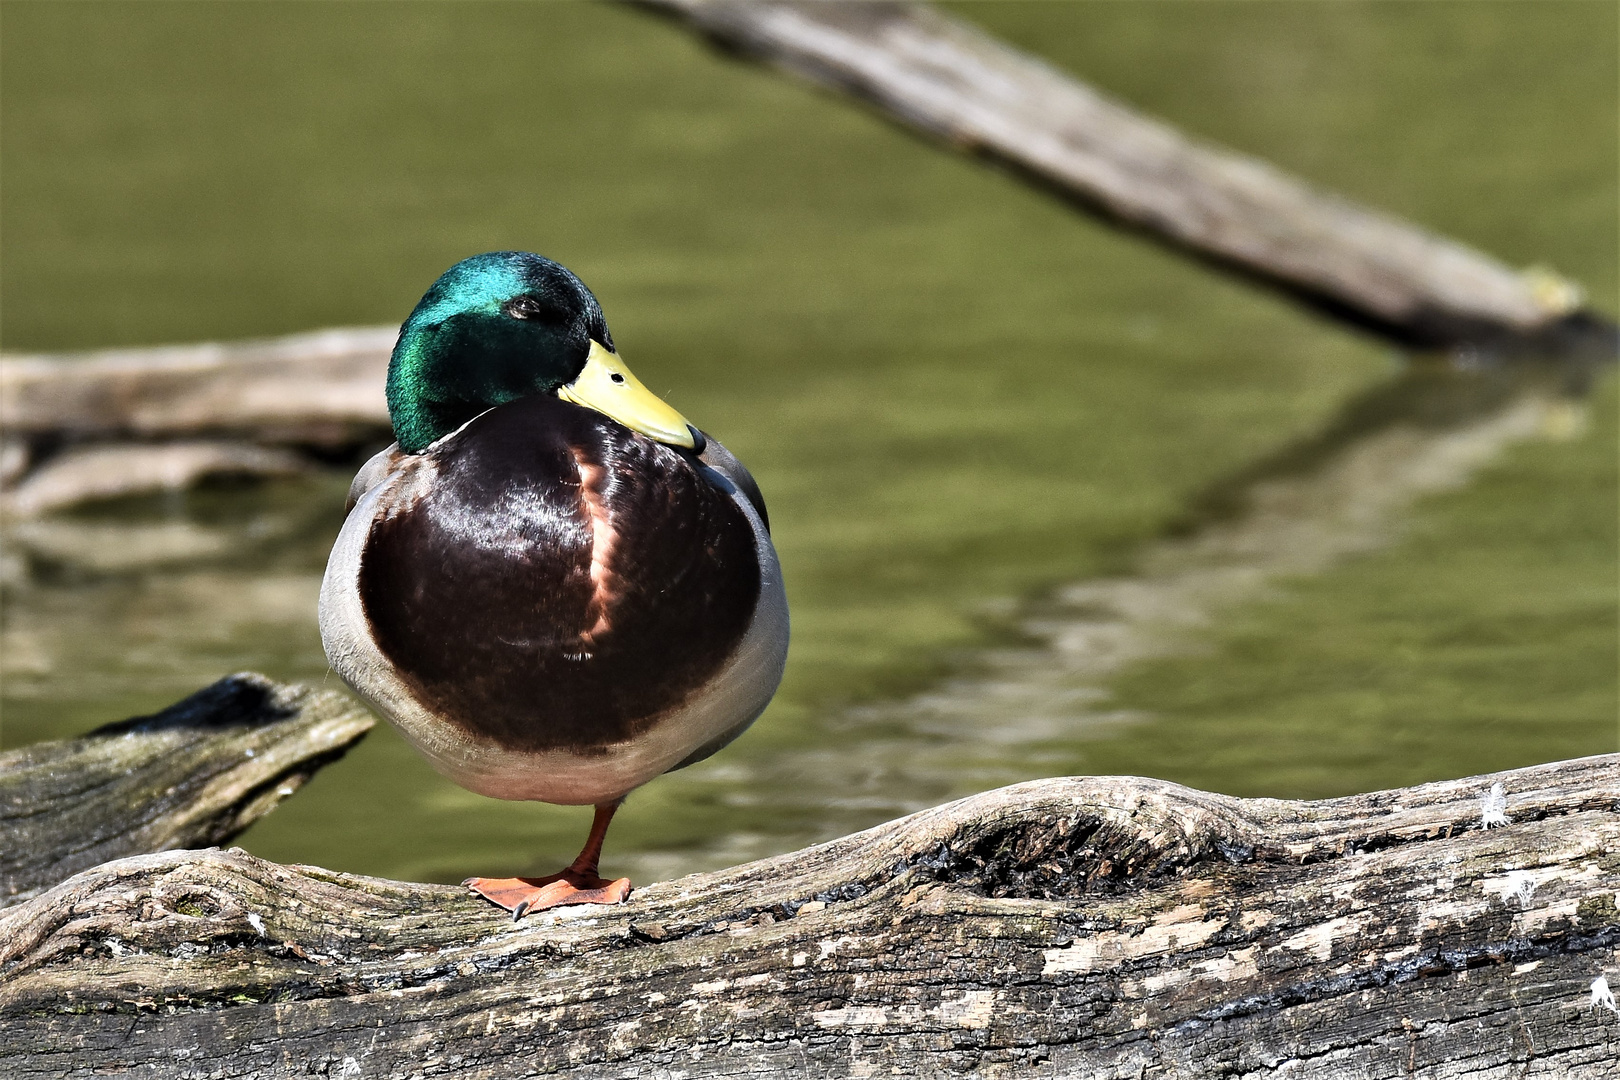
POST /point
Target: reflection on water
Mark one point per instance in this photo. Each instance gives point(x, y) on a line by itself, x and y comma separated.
point(1018, 711)
point(134, 605)
point(144, 602)
point(1341, 494)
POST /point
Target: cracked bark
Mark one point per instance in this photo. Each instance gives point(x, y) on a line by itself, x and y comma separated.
point(193, 775)
point(1104, 927)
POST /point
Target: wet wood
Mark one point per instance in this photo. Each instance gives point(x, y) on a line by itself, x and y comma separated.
point(943, 77)
point(1099, 927)
point(193, 775)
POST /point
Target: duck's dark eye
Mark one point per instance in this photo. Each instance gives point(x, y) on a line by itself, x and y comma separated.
point(616, 377)
point(527, 307)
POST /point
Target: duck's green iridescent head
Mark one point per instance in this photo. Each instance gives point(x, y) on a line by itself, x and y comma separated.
point(506, 325)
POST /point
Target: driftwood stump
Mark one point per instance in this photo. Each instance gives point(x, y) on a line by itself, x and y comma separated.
point(195, 774)
point(1102, 927)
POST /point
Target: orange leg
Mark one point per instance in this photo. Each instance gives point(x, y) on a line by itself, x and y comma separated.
point(579, 884)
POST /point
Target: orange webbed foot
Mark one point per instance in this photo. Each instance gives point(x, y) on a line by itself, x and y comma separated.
point(522, 896)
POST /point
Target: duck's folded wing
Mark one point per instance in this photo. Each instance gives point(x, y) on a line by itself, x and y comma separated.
point(722, 461)
point(373, 473)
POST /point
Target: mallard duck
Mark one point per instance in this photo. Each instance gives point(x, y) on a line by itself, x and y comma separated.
point(552, 584)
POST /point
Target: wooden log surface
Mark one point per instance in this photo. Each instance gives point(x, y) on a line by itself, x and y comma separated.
point(321, 388)
point(1097, 927)
point(119, 422)
point(944, 77)
point(193, 775)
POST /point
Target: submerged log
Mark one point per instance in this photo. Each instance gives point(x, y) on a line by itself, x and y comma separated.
point(1099, 927)
point(193, 775)
point(951, 81)
point(108, 471)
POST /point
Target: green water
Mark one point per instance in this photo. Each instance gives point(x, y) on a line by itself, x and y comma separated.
point(954, 391)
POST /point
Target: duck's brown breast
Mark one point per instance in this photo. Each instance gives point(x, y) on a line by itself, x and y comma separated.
point(561, 583)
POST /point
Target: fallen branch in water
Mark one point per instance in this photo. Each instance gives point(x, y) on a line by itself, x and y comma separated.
point(193, 775)
point(177, 414)
point(946, 78)
point(319, 389)
point(132, 421)
point(1105, 926)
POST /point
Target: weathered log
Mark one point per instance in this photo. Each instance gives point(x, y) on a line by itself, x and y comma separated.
point(951, 81)
point(195, 774)
point(320, 389)
point(134, 421)
point(1102, 927)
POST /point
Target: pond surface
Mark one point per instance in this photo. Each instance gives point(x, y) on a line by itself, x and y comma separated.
point(1049, 499)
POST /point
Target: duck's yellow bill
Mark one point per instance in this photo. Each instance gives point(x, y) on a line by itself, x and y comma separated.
point(607, 386)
